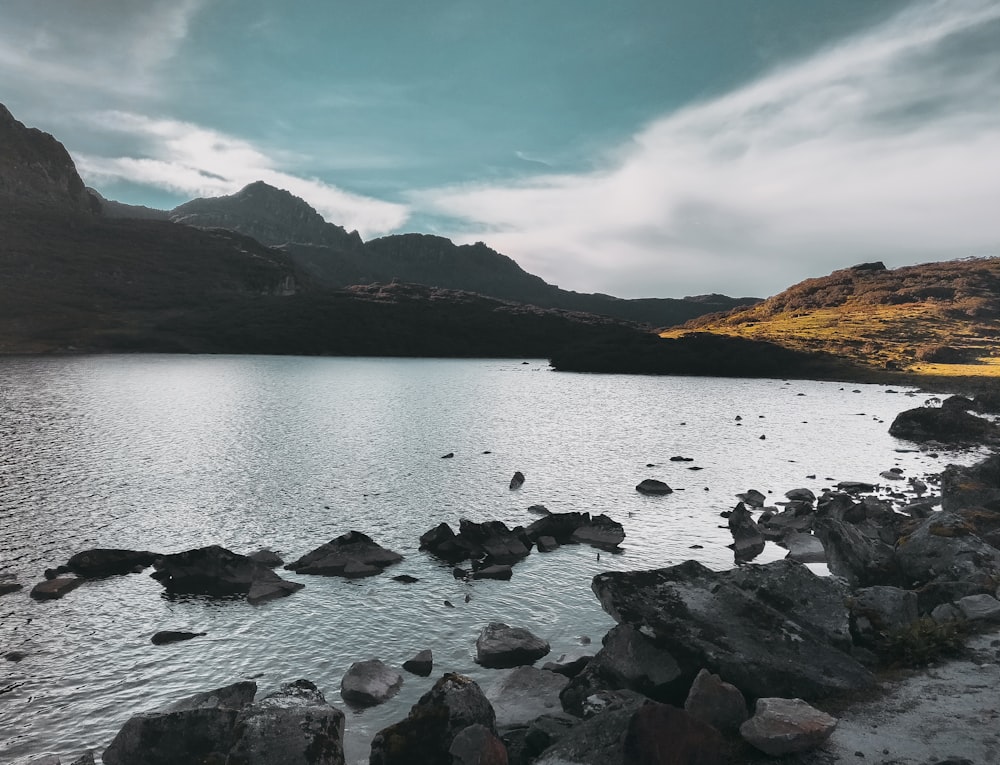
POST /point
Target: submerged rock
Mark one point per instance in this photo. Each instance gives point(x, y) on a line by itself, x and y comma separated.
point(499, 646)
point(164, 637)
point(9, 584)
point(352, 555)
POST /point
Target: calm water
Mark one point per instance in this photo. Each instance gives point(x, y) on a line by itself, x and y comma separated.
point(170, 452)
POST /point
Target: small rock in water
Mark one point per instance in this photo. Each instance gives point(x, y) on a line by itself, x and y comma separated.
point(653, 486)
point(422, 664)
point(173, 636)
point(517, 480)
point(448, 456)
point(406, 579)
point(449, 604)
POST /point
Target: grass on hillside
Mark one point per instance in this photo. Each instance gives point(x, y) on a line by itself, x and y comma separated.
point(918, 337)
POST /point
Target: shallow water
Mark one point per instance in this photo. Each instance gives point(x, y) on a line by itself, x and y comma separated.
point(172, 452)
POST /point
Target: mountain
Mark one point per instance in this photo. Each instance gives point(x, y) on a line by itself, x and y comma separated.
point(73, 279)
point(929, 319)
point(35, 169)
point(335, 258)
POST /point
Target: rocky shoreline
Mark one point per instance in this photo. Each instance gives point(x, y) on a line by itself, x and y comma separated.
point(704, 667)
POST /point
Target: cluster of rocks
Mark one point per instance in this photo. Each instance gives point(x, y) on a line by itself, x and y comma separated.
point(492, 547)
point(952, 422)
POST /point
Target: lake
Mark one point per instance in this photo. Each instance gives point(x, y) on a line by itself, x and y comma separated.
point(168, 453)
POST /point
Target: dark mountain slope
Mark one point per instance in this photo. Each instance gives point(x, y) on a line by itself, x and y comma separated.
point(334, 258)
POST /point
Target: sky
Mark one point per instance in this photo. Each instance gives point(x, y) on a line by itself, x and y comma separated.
point(639, 148)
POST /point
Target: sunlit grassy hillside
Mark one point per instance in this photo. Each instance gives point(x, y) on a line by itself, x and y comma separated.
point(940, 319)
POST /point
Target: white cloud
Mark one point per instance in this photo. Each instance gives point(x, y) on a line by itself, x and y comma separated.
point(886, 146)
point(196, 161)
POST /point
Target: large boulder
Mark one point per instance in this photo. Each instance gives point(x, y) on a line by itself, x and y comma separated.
point(559, 526)
point(599, 740)
point(858, 558)
point(214, 570)
point(786, 726)
point(631, 661)
point(352, 555)
point(368, 683)
point(477, 745)
point(974, 486)
point(101, 562)
point(195, 729)
point(944, 424)
point(737, 629)
point(292, 726)
point(944, 548)
point(524, 694)
point(499, 646)
point(426, 736)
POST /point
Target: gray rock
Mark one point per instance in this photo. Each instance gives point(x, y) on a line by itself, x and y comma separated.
point(558, 526)
point(598, 740)
point(477, 745)
point(426, 735)
point(292, 726)
point(653, 486)
point(627, 661)
point(422, 664)
point(9, 584)
point(601, 532)
point(748, 542)
point(881, 610)
point(173, 636)
point(752, 497)
point(716, 702)
point(195, 729)
point(498, 571)
point(569, 664)
point(856, 487)
point(368, 683)
point(499, 646)
point(946, 612)
point(944, 425)
point(980, 608)
point(53, 589)
point(974, 486)
point(860, 560)
point(267, 557)
point(943, 548)
point(101, 562)
point(87, 758)
point(546, 544)
point(517, 480)
point(524, 694)
point(801, 495)
point(786, 726)
point(352, 555)
point(214, 570)
point(744, 631)
point(804, 548)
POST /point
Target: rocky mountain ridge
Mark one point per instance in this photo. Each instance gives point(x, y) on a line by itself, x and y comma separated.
point(332, 257)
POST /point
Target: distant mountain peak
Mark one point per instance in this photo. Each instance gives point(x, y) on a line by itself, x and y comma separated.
point(270, 215)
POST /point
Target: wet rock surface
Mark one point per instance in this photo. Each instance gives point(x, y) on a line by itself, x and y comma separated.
point(368, 683)
point(499, 646)
point(352, 555)
point(214, 570)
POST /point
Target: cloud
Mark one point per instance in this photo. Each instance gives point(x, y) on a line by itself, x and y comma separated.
point(195, 161)
point(112, 46)
point(885, 146)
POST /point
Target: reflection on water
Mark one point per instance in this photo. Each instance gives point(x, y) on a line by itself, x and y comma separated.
point(167, 453)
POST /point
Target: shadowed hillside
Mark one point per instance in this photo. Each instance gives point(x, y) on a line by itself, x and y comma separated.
point(334, 258)
point(930, 319)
